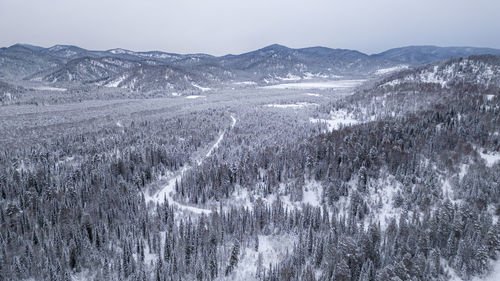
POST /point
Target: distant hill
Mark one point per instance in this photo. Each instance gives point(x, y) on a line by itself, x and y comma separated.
point(20, 60)
point(415, 55)
point(481, 70)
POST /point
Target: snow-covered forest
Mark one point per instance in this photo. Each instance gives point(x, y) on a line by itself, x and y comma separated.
point(392, 174)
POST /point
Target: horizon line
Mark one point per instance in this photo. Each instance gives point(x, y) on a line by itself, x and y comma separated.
point(254, 50)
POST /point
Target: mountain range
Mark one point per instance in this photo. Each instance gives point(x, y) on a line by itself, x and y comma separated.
point(156, 70)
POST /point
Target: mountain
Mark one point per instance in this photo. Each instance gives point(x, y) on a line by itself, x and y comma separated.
point(480, 70)
point(70, 52)
point(156, 77)
point(278, 62)
point(416, 55)
point(20, 60)
point(86, 70)
point(269, 65)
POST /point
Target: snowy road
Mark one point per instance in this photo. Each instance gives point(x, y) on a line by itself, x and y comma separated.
point(165, 194)
point(216, 144)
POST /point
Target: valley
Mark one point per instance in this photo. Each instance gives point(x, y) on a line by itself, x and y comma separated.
point(277, 164)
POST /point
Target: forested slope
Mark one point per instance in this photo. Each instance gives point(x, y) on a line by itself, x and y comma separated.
point(410, 192)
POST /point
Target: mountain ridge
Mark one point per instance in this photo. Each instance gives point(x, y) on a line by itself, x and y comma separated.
point(268, 65)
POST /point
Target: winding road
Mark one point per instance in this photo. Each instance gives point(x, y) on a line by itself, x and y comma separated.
point(165, 194)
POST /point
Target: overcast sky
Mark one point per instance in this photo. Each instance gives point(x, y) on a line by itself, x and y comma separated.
point(232, 26)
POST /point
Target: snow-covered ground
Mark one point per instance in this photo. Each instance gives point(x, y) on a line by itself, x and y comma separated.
point(290, 77)
point(383, 71)
point(46, 88)
point(337, 119)
point(245, 83)
point(195, 97)
point(312, 193)
point(116, 82)
point(490, 158)
point(312, 95)
point(494, 275)
point(243, 197)
point(318, 85)
point(292, 105)
point(216, 144)
point(203, 89)
point(427, 76)
point(272, 250)
point(383, 197)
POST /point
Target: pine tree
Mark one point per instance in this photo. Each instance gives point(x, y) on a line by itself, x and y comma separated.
point(233, 260)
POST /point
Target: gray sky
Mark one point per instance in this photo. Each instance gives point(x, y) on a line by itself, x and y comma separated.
point(232, 26)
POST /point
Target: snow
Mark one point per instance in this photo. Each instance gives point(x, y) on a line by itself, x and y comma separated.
point(215, 146)
point(165, 194)
point(492, 211)
point(338, 118)
point(388, 186)
point(195, 97)
point(312, 95)
point(121, 51)
point(240, 197)
point(156, 55)
point(290, 77)
point(309, 75)
point(234, 121)
point(450, 272)
point(383, 71)
point(427, 76)
point(490, 97)
point(494, 275)
point(318, 85)
point(175, 94)
point(433, 77)
point(244, 197)
point(292, 105)
point(448, 191)
point(463, 171)
point(312, 194)
point(56, 48)
point(490, 157)
point(272, 249)
point(246, 83)
point(116, 82)
point(46, 88)
point(203, 89)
